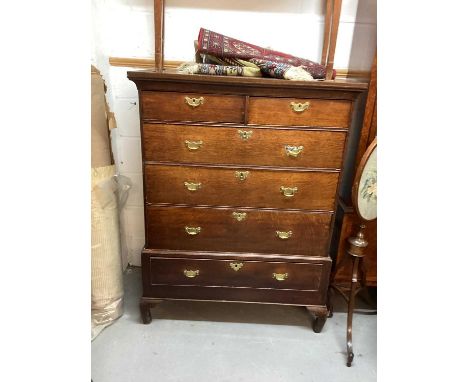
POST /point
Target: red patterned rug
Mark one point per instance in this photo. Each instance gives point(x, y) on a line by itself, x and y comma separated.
point(224, 50)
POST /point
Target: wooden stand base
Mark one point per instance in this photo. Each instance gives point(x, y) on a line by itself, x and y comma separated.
point(319, 314)
point(355, 253)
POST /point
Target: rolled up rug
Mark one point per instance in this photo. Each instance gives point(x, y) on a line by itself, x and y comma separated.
point(232, 50)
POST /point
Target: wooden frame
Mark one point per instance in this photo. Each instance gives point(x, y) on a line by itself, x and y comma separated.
point(159, 8)
point(357, 179)
point(369, 124)
point(332, 21)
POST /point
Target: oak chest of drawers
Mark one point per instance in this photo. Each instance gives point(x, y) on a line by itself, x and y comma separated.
point(240, 182)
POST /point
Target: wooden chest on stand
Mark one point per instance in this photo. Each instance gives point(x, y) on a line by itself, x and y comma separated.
point(240, 185)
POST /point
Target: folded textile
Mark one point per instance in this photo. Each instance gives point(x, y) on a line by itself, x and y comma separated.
point(281, 70)
point(231, 50)
point(220, 70)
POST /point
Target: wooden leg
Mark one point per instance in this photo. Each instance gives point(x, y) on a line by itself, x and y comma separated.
point(145, 311)
point(352, 295)
point(319, 317)
point(319, 322)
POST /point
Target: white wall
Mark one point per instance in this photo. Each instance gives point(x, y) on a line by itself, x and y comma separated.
point(124, 28)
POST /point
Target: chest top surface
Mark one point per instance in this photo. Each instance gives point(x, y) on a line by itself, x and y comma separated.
point(170, 80)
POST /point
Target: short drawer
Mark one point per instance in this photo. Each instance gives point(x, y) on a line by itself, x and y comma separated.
point(246, 146)
point(171, 106)
point(238, 230)
point(237, 273)
point(246, 187)
point(299, 112)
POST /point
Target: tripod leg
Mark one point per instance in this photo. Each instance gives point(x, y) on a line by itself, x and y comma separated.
point(330, 296)
point(331, 291)
point(352, 293)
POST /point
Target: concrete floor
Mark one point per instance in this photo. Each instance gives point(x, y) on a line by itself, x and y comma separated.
point(230, 342)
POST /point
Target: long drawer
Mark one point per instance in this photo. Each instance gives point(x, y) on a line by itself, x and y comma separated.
point(235, 273)
point(226, 293)
point(299, 112)
point(171, 106)
point(222, 186)
point(237, 230)
point(244, 146)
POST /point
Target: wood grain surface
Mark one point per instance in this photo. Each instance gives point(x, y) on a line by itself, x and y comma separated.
point(219, 186)
point(171, 106)
point(224, 145)
point(268, 295)
point(278, 111)
point(251, 231)
point(236, 294)
point(200, 188)
point(253, 274)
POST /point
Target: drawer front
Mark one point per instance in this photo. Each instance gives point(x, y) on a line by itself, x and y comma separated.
point(169, 106)
point(223, 186)
point(236, 273)
point(244, 146)
point(299, 112)
point(226, 293)
point(238, 230)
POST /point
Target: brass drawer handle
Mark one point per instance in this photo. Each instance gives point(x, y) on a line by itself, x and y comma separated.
point(242, 175)
point(236, 266)
point(280, 276)
point(284, 234)
point(193, 145)
point(194, 102)
point(192, 230)
point(192, 186)
point(293, 151)
point(299, 107)
point(239, 216)
point(288, 191)
point(191, 273)
point(245, 134)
